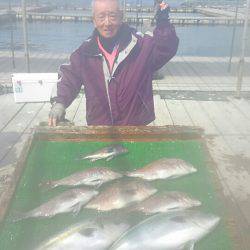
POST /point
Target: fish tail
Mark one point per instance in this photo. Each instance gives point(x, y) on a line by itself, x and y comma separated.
point(80, 157)
point(18, 216)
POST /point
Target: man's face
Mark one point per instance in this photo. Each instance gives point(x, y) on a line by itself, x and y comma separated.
point(107, 17)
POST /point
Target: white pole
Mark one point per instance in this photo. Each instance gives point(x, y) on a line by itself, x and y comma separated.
point(124, 9)
point(25, 36)
point(233, 36)
point(243, 47)
point(11, 36)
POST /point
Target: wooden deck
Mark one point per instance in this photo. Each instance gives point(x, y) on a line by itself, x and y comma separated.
point(183, 72)
point(226, 122)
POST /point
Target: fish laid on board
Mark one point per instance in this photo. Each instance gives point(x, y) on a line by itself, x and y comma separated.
point(165, 168)
point(91, 235)
point(168, 231)
point(107, 153)
point(121, 194)
point(70, 200)
point(90, 177)
point(166, 202)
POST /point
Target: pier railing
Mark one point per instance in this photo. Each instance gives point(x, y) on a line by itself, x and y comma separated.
point(179, 20)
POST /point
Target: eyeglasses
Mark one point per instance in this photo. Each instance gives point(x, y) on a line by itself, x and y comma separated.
point(112, 16)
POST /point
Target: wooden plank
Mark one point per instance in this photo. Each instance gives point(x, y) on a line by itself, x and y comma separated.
point(194, 77)
point(170, 75)
point(228, 81)
point(179, 76)
point(191, 80)
point(235, 182)
point(40, 63)
point(8, 109)
point(162, 114)
point(218, 117)
point(40, 116)
point(178, 113)
point(242, 105)
point(197, 69)
point(206, 73)
point(200, 117)
point(219, 70)
point(11, 133)
point(6, 63)
point(236, 118)
point(56, 62)
point(14, 151)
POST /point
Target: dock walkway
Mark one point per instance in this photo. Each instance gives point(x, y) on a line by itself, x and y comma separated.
point(183, 72)
point(217, 12)
point(226, 121)
point(131, 18)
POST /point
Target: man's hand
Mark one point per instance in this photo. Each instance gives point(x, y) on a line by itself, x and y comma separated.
point(162, 11)
point(56, 114)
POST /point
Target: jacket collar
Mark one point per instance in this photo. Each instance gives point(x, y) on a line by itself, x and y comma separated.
point(90, 46)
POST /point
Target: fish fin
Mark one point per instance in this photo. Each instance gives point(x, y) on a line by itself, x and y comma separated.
point(110, 158)
point(95, 159)
point(77, 208)
point(98, 185)
point(189, 246)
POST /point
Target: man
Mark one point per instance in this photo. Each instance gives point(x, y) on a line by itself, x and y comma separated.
point(116, 67)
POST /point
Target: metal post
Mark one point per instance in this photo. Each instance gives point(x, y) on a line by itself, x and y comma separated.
point(243, 47)
point(25, 36)
point(141, 15)
point(137, 14)
point(233, 36)
point(11, 37)
point(124, 9)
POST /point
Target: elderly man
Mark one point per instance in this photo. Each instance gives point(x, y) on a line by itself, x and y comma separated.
point(115, 66)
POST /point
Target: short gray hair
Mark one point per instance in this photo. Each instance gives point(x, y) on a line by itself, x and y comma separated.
point(120, 2)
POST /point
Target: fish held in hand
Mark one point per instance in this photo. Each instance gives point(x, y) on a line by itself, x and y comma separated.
point(68, 201)
point(166, 202)
point(171, 231)
point(107, 153)
point(121, 194)
point(91, 235)
point(165, 168)
point(91, 177)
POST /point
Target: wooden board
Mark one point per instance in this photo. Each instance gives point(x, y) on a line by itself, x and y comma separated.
point(200, 117)
point(178, 113)
point(11, 133)
point(161, 112)
point(8, 109)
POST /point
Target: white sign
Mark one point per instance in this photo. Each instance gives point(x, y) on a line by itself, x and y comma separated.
point(34, 87)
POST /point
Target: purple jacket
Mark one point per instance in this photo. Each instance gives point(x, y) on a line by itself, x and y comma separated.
point(125, 96)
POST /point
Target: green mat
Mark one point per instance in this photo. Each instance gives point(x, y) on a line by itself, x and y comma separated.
point(54, 160)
